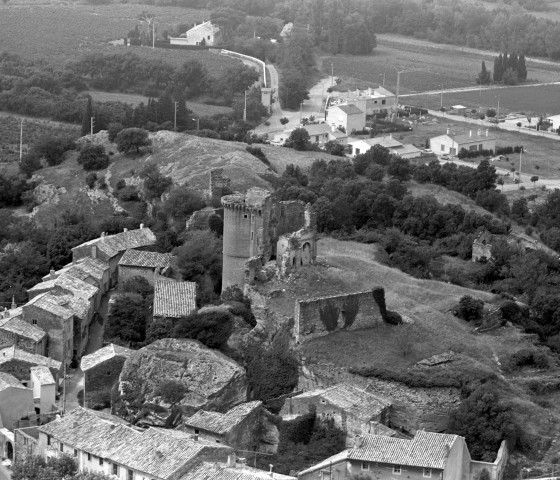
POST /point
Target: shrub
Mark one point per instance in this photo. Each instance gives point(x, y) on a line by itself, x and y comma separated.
point(172, 391)
point(113, 129)
point(93, 157)
point(329, 316)
point(393, 318)
point(527, 357)
point(132, 138)
point(91, 178)
point(213, 328)
point(470, 309)
point(100, 399)
point(128, 194)
point(350, 311)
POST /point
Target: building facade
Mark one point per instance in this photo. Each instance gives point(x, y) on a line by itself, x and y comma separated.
point(346, 117)
point(452, 144)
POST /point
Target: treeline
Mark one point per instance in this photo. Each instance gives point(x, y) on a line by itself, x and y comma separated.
point(510, 69)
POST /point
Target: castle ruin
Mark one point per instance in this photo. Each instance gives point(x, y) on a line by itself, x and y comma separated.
point(260, 228)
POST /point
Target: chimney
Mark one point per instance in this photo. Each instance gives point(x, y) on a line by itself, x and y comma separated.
point(271, 474)
point(52, 273)
point(14, 304)
point(447, 132)
point(141, 226)
point(470, 133)
point(195, 438)
point(125, 230)
point(231, 461)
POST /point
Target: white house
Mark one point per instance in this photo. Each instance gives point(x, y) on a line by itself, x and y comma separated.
point(555, 120)
point(394, 146)
point(319, 133)
point(346, 116)
point(44, 388)
point(204, 34)
point(372, 100)
point(452, 143)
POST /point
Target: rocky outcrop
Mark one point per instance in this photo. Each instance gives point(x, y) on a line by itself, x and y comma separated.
point(212, 380)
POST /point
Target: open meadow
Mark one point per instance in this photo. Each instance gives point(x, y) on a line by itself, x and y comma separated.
point(57, 33)
point(428, 65)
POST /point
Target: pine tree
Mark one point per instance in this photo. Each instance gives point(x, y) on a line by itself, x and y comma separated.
point(498, 68)
point(139, 115)
point(86, 118)
point(522, 68)
point(151, 113)
point(166, 109)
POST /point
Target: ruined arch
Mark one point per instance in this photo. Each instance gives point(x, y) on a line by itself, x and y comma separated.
point(9, 449)
point(306, 254)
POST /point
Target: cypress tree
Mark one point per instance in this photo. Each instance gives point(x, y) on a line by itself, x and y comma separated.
point(483, 76)
point(514, 63)
point(86, 118)
point(498, 68)
point(505, 63)
point(522, 68)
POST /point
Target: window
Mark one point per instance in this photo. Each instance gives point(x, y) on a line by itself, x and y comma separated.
point(375, 101)
point(427, 472)
point(130, 475)
point(480, 146)
point(61, 447)
point(115, 469)
point(48, 439)
point(365, 466)
point(383, 102)
point(245, 216)
point(442, 147)
point(397, 469)
point(472, 148)
point(34, 322)
point(75, 452)
point(100, 461)
point(108, 372)
point(89, 457)
point(357, 151)
point(196, 431)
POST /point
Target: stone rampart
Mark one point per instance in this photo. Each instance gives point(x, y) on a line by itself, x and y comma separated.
point(321, 316)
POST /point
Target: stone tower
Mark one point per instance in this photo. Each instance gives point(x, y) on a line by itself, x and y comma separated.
point(247, 223)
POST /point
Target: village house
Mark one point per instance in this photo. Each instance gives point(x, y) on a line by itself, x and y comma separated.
point(90, 270)
point(102, 370)
point(46, 312)
point(452, 143)
point(427, 455)
point(352, 409)
point(102, 443)
point(237, 428)
point(174, 299)
point(346, 117)
point(148, 265)
point(372, 100)
point(14, 331)
point(204, 34)
point(44, 389)
point(18, 362)
point(232, 470)
point(408, 151)
point(319, 133)
point(111, 248)
point(16, 401)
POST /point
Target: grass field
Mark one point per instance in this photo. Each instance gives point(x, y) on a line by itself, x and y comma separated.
point(543, 99)
point(434, 64)
point(57, 33)
point(200, 109)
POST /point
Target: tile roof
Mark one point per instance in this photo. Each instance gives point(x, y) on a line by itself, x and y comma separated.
point(425, 450)
point(349, 109)
point(160, 454)
point(174, 299)
point(43, 375)
point(349, 398)
point(220, 471)
point(69, 283)
point(13, 353)
point(318, 129)
point(102, 355)
point(48, 302)
point(114, 244)
point(21, 328)
point(466, 138)
point(387, 142)
point(137, 258)
point(82, 269)
point(222, 423)
point(9, 381)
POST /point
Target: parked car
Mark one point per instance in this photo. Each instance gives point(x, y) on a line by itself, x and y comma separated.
point(445, 156)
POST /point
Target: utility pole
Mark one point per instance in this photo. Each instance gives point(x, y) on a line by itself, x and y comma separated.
point(153, 34)
point(92, 123)
point(441, 98)
point(175, 117)
point(245, 108)
point(21, 140)
point(332, 74)
point(520, 158)
point(498, 113)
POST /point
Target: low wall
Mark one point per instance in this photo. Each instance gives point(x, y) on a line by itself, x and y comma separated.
point(321, 316)
point(495, 468)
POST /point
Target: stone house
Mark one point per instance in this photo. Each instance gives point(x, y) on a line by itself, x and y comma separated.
point(232, 470)
point(44, 389)
point(174, 299)
point(347, 117)
point(16, 401)
point(352, 409)
point(103, 443)
point(45, 312)
point(90, 270)
point(427, 455)
point(110, 248)
point(237, 427)
point(24, 442)
point(452, 144)
point(204, 34)
point(102, 369)
point(14, 331)
point(18, 362)
point(148, 265)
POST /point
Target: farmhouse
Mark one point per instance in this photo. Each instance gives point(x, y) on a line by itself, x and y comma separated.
point(394, 146)
point(427, 455)
point(452, 143)
point(346, 117)
point(204, 34)
point(372, 101)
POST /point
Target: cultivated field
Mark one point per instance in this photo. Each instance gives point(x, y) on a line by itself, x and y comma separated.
point(58, 33)
point(434, 64)
point(544, 99)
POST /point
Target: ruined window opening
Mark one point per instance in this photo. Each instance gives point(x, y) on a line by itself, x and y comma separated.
point(294, 262)
point(89, 457)
point(365, 466)
point(196, 431)
point(75, 452)
point(34, 322)
point(427, 472)
point(115, 469)
point(397, 469)
point(245, 215)
point(62, 447)
point(48, 439)
point(100, 461)
point(109, 372)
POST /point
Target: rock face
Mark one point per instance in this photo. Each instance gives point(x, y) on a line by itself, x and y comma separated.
point(212, 380)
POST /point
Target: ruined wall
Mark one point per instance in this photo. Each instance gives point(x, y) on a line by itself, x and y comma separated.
point(481, 251)
point(321, 316)
point(199, 219)
point(296, 250)
point(25, 442)
point(290, 216)
point(127, 272)
point(220, 185)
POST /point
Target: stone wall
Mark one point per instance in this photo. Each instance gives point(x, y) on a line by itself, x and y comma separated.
point(8, 339)
point(321, 316)
point(25, 440)
point(102, 378)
